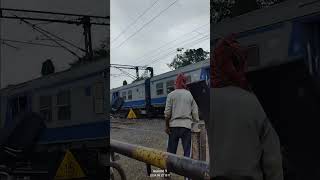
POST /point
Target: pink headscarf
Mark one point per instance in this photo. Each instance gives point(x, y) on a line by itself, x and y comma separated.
point(181, 81)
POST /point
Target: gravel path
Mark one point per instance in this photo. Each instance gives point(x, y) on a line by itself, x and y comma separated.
point(144, 132)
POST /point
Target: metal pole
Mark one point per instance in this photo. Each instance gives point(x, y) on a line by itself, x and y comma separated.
point(54, 13)
point(199, 141)
point(51, 20)
point(173, 163)
point(195, 139)
point(203, 143)
point(86, 41)
point(0, 46)
point(90, 41)
point(137, 72)
point(87, 36)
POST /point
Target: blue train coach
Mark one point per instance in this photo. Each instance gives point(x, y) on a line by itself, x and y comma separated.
point(70, 102)
point(148, 97)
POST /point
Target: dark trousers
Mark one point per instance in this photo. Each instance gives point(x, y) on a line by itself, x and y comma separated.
point(177, 133)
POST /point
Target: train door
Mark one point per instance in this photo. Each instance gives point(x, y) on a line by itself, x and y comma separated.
point(147, 95)
point(115, 95)
point(305, 42)
point(205, 74)
point(313, 48)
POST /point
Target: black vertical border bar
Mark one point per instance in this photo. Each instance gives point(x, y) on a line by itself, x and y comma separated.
point(107, 83)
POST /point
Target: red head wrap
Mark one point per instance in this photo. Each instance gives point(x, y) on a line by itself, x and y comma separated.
point(228, 64)
point(181, 81)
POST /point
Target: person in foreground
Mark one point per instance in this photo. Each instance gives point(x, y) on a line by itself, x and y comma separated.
point(242, 141)
point(180, 112)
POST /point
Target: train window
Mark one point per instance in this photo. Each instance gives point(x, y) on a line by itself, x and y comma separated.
point(188, 79)
point(159, 88)
point(46, 107)
point(63, 105)
point(124, 95)
point(19, 104)
point(129, 94)
point(99, 98)
point(170, 86)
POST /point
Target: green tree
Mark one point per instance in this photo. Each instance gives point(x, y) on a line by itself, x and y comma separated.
point(221, 9)
point(190, 56)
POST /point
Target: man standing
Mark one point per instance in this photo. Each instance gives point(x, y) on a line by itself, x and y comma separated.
point(242, 141)
point(180, 112)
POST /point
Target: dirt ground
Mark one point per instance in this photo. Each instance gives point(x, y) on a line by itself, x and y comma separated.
point(144, 132)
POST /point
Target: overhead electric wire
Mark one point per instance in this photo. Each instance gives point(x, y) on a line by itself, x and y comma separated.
point(171, 53)
point(169, 48)
point(142, 58)
point(197, 41)
point(47, 32)
point(10, 45)
point(57, 37)
point(31, 43)
point(131, 24)
point(128, 74)
point(174, 52)
point(43, 33)
point(175, 47)
point(164, 10)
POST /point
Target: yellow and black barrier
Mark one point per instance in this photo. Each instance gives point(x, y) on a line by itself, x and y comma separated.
point(183, 166)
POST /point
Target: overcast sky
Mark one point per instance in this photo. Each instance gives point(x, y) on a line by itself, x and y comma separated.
point(150, 45)
point(25, 64)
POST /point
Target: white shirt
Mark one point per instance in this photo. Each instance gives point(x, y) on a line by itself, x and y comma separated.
point(181, 108)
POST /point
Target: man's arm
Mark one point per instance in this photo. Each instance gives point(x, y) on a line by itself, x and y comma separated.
point(167, 112)
point(195, 111)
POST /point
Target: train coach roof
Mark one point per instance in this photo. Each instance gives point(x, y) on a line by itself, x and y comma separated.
point(59, 77)
point(128, 85)
point(183, 69)
point(285, 11)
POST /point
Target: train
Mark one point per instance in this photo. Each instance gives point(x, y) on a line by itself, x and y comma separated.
point(69, 101)
point(148, 97)
point(73, 105)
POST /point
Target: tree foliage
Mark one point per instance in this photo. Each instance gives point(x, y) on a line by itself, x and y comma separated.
point(190, 56)
point(221, 9)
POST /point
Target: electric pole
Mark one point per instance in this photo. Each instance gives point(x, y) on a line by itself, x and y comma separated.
point(76, 19)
